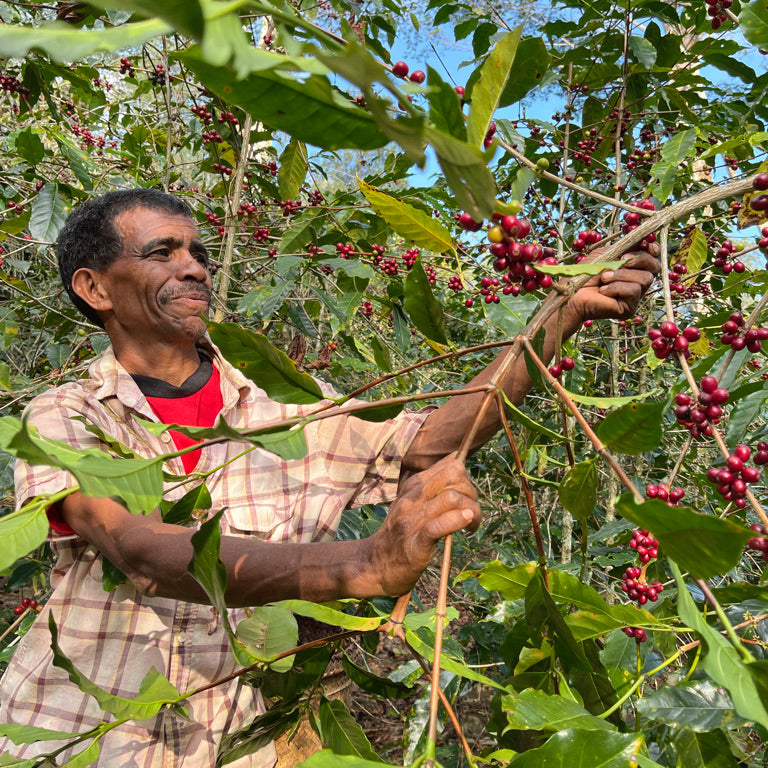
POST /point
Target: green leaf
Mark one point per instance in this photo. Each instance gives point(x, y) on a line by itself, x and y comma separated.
point(422, 307)
point(582, 749)
point(264, 364)
point(341, 732)
point(704, 750)
point(84, 757)
point(721, 661)
point(582, 268)
point(698, 706)
point(705, 546)
point(327, 758)
point(185, 15)
point(64, 44)
point(527, 421)
point(532, 62)
point(306, 107)
point(634, 428)
point(183, 511)
point(411, 223)
point(155, 692)
point(210, 573)
point(673, 152)
point(608, 402)
point(49, 211)
point(753, 21)
point(5, 376)
point(445, 107)
point(327, 615)
point(643, 50)
point(488, 89)
point(30, 146)
point(292, 170)
point(23, 531)
point(269, 631)
point(532, 710)
point(578, 489)
point(373, 684)
point(743, 413)
point(29, 734)
point(353, 267)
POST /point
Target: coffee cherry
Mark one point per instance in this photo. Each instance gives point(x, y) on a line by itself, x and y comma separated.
point(417, 76)
point(556, 370)
point(567, 363)
point(400, 69)
point(760, 182)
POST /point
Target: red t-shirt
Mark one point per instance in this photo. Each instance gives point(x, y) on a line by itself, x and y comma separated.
point(196, 403)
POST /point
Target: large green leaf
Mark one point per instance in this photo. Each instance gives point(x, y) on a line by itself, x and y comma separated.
point(29, 734)
point(578, 489)
point(341, 732)
point(413, 224)
point(328, 615)
point(155, 691)
point(306, 107)
point(64, 44)
point(422, 307)
point(698, 706)
point(29, 146)
point(532, 62)
point(292, 169)
point(582, 749)
point(185, 15)
point(23, 531)
point(269, 368)
point(704, 545)
point(269, 631)
point(753, 21)
point(704, 750)
point(693, 250)
point(532, 710)
point(49, 210)
point(138, 482)
point(373, 684)
point(327, 758)
point(488, 88)
point(721, 661)
point(677, 149)
point(635, 428)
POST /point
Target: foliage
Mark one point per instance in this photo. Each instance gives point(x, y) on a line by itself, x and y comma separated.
point(358, 271)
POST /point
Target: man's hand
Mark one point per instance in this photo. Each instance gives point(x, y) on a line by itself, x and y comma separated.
point(616, 293)
point(432, 504)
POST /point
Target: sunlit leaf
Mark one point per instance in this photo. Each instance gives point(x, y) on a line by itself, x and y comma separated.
point(578, 489)
point(634, 428)
point(269, 631)
point(422, 307)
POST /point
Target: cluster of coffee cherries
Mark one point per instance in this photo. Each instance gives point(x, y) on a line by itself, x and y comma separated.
point(668, 338)
point(759, 184)
point(345, 250)
point(733, 478)
point(697, 419)
point(632, 218)
point(737, 336)
point(675, 274)
point(290, 207)
point(515, 258)
point(585, 239)
point(26, 604)
point(759, 542)
point(716, 10)
point(565, 364)
point(673, 496)
point(723, 259)
point(633, 582)
point(126, 68)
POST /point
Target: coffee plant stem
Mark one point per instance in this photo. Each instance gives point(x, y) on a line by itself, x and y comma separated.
point(526, 488)
point(224, 275)
point(742, 650)
point(593, 438)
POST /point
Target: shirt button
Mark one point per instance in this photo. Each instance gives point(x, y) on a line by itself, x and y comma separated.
point(166, 437)
point(181, 638)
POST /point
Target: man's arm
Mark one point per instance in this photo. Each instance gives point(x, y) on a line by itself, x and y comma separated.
point(612, 294)
point(154, 555)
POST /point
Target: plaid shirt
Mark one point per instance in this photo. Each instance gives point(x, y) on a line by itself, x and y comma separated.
point(115, 638)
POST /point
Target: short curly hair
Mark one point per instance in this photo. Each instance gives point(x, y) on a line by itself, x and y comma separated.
point(89, 238)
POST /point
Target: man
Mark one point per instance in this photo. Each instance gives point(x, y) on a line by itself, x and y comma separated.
point(133, 262)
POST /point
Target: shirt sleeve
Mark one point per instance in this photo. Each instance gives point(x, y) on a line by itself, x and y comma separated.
point(54, 414)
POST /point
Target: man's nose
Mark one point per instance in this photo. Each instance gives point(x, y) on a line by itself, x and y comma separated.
point(191, 267)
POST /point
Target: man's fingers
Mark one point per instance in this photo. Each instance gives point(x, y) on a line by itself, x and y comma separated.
point(447, 474)
point(453, 521)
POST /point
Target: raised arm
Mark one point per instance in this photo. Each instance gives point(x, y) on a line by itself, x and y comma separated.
point(154, 555)
point(610, 294)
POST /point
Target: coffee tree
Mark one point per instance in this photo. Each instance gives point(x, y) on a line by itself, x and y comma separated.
point(613, 607)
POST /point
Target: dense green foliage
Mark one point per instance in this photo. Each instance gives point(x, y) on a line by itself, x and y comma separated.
point(301, 155)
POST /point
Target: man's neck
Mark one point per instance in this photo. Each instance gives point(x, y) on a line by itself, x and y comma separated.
point(173, 365)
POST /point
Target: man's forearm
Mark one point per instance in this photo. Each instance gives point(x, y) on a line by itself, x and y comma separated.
point(444, 429)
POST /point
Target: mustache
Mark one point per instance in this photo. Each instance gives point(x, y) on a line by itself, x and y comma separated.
point(190, 292)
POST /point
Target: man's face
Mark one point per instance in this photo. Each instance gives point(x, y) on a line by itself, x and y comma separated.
point(160, 286)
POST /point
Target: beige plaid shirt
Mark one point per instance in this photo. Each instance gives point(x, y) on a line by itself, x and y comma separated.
point(115, 638)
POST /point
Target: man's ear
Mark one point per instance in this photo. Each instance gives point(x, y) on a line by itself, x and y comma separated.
point(90, 286)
